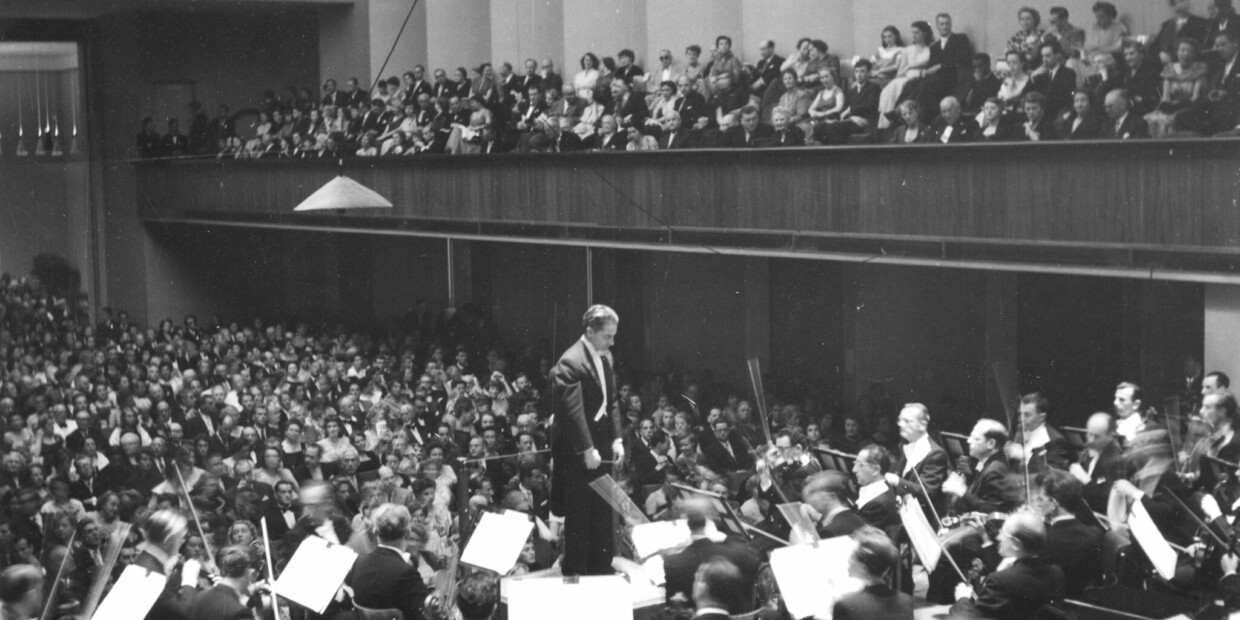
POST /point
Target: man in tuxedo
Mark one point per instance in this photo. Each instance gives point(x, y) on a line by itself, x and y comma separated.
point(680, 568)
point(750, 132)
point(165, 531)
point(1184, 25)
point(767, 70)
point(416, 85)
point(586, 432)
point(717, 585)
point(951, 125)
point(1101, 463)
point(1024, 587)
point(281, 511)
point(871, 560)
point(224, 600)
point(826, 492)
point(1054, 80)
point(1039, 446)
point(531, 79)
point(1071, 544)
point(875, 501)
point(387, 578)
point(354, 95)
point(922, 465)
point(608, 137)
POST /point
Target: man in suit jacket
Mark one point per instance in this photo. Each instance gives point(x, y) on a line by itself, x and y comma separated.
point(825, 493)
point(608, 137)
point(922, 465)
point(331, 96)
point(281, 511)
point(717, 587)
point(1023, 588)
point(680, 568)
point(990, 487)
point(1184, 25)
point(387, 578)
point(949, 58)
point(860, 108)
point(1071, 544)
point(872, 559)
point(223, 602)
point(768, 69)
point(312, 467)
point(1038, 445)
point(1054, 80)
point(981, 84)
point(725, 451)
point(750, 133)
point(875, 501)
point(1221, 111)
point(673, 134)
point(586, 432)
point(1101, 463)
point(952, 126)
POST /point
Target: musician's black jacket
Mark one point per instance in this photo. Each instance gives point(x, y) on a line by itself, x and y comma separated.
point(382, 579)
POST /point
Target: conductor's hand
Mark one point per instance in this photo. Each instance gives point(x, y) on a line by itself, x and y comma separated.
point(617, 449)
point(593, 460)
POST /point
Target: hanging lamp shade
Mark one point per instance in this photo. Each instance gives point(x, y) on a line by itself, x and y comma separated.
point(343, 193)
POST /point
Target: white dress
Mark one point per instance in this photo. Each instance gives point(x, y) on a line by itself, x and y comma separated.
point(912, 64)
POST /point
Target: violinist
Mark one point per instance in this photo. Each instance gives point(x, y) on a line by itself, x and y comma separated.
point(1038, 446)
point(991, 489)
point(387, 578)
point(1219, 412)
point(1101, 463)
point(922, 465)
point(875, 500)
point(826, 500)
point(1027, 584)
point(680, 568)
point(1072, 544)
point(164, 532)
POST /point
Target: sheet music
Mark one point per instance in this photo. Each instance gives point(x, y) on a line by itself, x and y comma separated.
point(315, 573)
point(599, 598)
point(619, 501)
point(133, 596)
point(1161, 555)
point(803, 530)
point(812, 577)
point(651, 538)
point(923, 537)
point(497, 541)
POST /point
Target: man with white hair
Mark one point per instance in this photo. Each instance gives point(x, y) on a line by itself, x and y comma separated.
point(387, 578)
point(921, 465)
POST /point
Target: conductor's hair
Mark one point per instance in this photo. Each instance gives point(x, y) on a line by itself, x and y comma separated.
point(721, 582)
point(234, 561)
point(874, 551)
point(598, 316)
point(391, 522)
point(477, 596)
point(164, 525)
point(17, 581)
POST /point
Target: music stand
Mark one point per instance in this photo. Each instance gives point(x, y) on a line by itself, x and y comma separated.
point(834, 459)
point(619, 501)
point(1078, 437)
point(955, 444)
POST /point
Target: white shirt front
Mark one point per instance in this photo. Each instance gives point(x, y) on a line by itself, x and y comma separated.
point(1038, 437)
point(867, 493)
point(1129, 427)
point(597, 359)
point(916, 452)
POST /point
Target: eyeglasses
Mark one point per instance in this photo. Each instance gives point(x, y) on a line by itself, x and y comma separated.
point(665, 57)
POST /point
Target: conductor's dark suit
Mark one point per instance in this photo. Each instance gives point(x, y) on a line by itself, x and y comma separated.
point(578, 393)
point(218, 603)
point(383, 579)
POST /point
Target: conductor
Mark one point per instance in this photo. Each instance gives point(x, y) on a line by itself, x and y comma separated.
point(585, 439)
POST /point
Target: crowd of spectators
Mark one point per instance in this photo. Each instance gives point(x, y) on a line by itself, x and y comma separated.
point(1052, 81)
point(105, 423)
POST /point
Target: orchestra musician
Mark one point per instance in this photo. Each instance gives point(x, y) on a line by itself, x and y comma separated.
point(1072, 543)
point(875, 500)
point(680, 568)
point(586, 432)
point(922, 464)
point(227, 599)
point(826, 502)
point(1037, 445)
point(1101, 462)
point(991, 488)
point(387, 578)
point(1022, 589)
point(871, 561)
point(164, 532)
point(21, 592)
